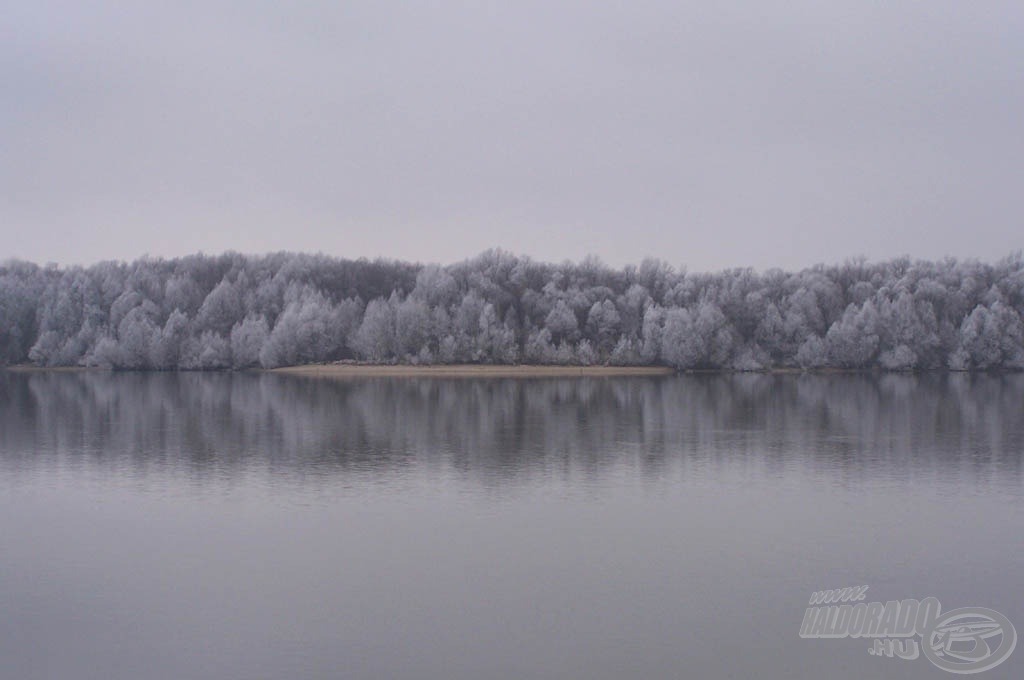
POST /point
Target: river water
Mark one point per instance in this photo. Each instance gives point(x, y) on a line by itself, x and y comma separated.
point(268, 526)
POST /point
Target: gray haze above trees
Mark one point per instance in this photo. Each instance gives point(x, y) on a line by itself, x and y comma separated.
point(727, 133)
point(236, 311)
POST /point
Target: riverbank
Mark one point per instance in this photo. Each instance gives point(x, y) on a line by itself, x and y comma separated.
point(357, 370)
point(468, 371)
point(31, 368)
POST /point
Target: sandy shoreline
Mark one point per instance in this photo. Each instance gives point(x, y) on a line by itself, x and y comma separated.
point(467, 371)
point(30, 368)
point(354, 370)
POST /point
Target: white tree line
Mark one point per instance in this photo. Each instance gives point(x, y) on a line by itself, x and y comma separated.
point(235, 311)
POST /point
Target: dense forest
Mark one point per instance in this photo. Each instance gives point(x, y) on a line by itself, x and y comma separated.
point(238, 311)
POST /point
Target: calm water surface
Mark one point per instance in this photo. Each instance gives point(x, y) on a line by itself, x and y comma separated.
point(264, 526)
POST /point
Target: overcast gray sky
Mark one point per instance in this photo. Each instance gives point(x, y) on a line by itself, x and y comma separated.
point(710, 134)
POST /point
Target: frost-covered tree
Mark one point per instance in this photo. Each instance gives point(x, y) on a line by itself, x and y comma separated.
point(539, 348)
point(561, 322)
point(223, 307)
point(604, 325)
point(165, 352)
point(626, 353)
point(376, 338)
point(209, 351)
point(412, 327)
point(248, 338)
point(852, 342)
point(990, 337)
point(651, 334)
point(137, 335)
point(436, 287)
point(699, 339)
point(303, 333)
point(497, 340)
point(812, 353)
point(585, 353)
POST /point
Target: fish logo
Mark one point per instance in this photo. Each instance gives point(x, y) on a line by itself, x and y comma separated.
point(961, 640)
